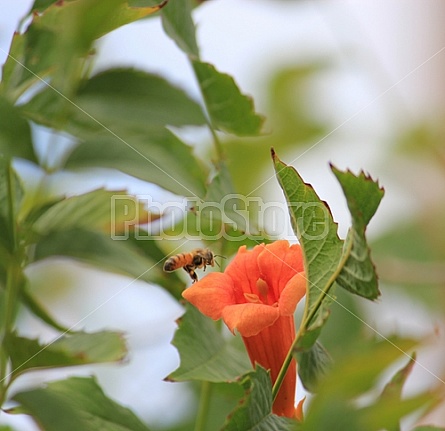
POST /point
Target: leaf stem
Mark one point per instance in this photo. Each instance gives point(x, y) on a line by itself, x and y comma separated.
point(203, 408)
point(309, 315)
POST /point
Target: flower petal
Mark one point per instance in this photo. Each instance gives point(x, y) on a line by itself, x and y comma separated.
point(291, 295)
point(249, 319)
point(211, 294)
point(278, 263)
point(244, 272)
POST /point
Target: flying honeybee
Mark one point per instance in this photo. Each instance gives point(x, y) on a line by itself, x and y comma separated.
point(197, 258)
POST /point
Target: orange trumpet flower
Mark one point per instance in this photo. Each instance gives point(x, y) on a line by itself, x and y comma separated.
point(257, 295)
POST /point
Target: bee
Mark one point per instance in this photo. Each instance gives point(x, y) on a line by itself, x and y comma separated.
point(197, 258)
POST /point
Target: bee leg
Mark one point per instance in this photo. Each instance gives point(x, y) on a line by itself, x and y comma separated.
point(189, 269)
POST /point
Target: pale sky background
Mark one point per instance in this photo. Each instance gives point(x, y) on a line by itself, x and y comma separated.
point(388, 57)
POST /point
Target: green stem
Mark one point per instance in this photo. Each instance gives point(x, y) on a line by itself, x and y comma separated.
point(13, 273)
point(203, 408)
point(306, 320)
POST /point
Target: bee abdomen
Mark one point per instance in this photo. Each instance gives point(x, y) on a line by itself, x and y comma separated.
point(170, 264)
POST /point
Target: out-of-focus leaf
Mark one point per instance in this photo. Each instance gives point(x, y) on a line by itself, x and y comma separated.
point(78, 348)
point(178, 24)
point(255, 411)
point(159, 157)
point(315, 229)
point(395, 386)
point(138, 99)
point(103, 210)
point(12, 69)
point(229, 109)
point(313, 364)
point(363, 196)
point(148, 246)
point(386, 414)
point(77, 404)
point(333, 407)
point(60, 36)
point(35, 307)
point(101, 251)
point(117, 100)
point(15, 133)
point(11, 196)
point(205, 354)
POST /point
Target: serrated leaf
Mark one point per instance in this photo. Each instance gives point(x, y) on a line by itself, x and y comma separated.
point(313, 364)
point(15, 133)
point(255, 411)
point(78, 348)
point(205, 354)
point(229, 110)
point(77, 404)
point(103, 210)
point(363, 196)
point(316, 231)
point(159, 157)
point(178, 24)
point(102, 252)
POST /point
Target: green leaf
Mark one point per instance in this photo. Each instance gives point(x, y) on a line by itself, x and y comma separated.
point(75, 349)
point(159, 157)
point(229, 109)
point(313, 365)
point(11, 198)
point(12, 69)
point(254, 412)
point(363, 196)
point(103, 210)
point(15, 133)
point(334, 406)
point(178, 24)
point(205, 354)
point(316, 231)
point(393, 389)
point(137, 99)
point(101, 251)
point(59, 37)
point(39, 311)
point(77, 404)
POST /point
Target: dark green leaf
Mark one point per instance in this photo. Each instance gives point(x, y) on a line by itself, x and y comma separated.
point(313, 364)
point(315, 229)
point(15, 133)
point(255, 411)
point(75, 349)
point(205, 354)
point(178, 24)
point(363, 196)
point(159, 157)
point(77, 404)
point(229, 109)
